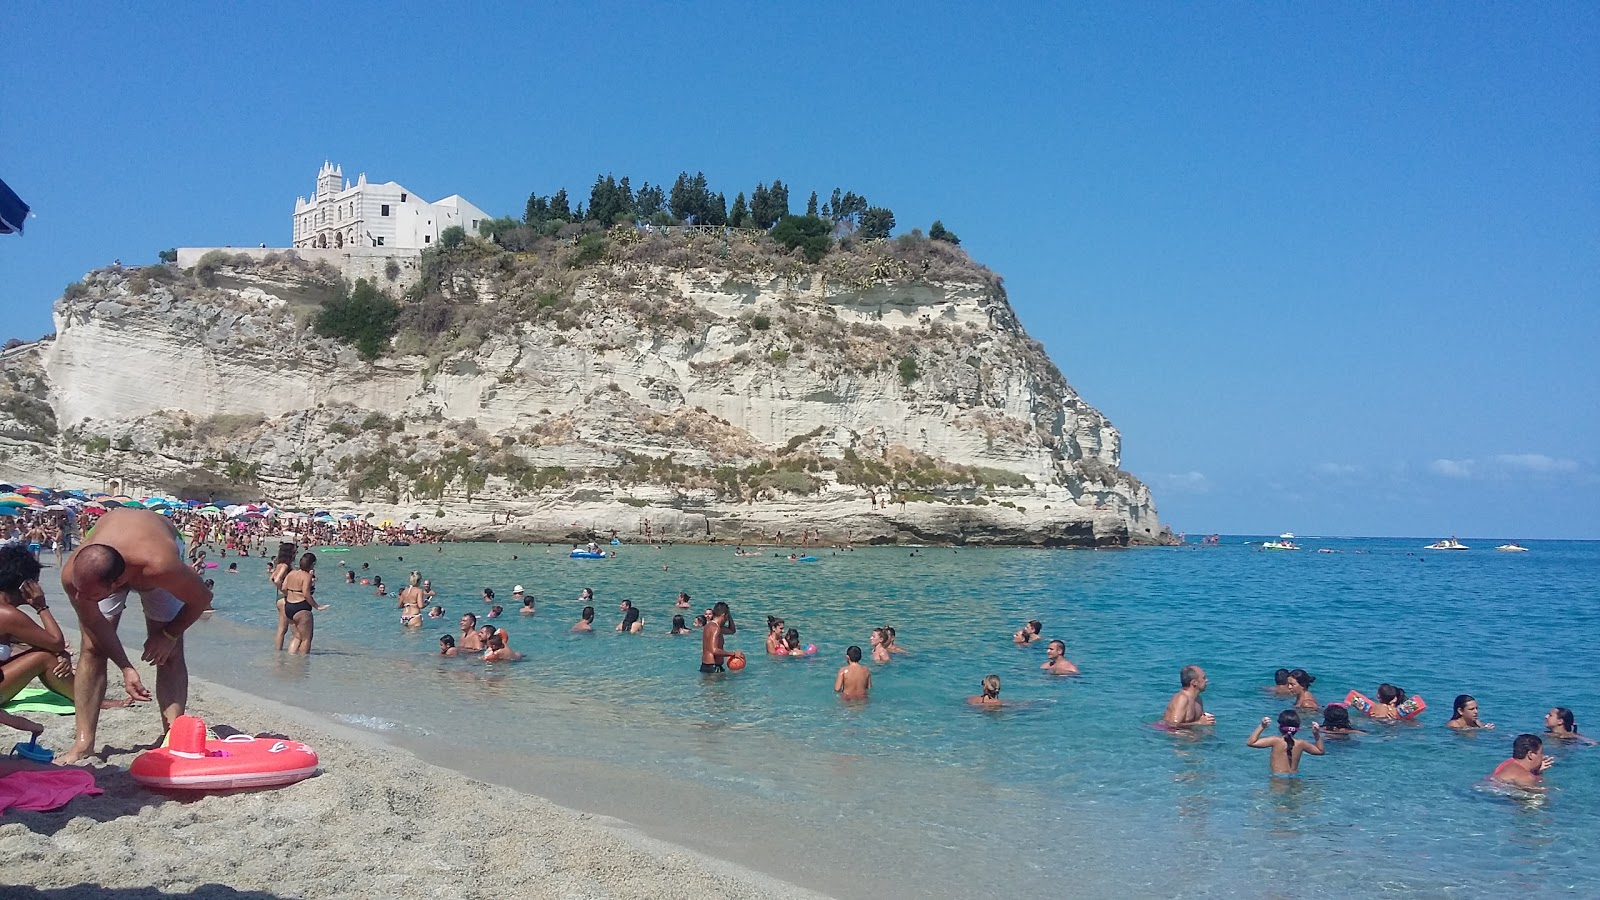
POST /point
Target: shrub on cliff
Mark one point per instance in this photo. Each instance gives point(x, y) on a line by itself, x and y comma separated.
point(809, 233)
point(363, 318)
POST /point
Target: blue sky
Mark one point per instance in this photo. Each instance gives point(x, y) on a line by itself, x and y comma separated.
point(1332, 269)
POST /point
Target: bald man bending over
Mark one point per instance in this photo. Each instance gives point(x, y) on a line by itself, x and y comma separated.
point(139, 551)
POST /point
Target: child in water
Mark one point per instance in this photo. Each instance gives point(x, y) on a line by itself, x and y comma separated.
point(1285, 749)
point(1336, 720)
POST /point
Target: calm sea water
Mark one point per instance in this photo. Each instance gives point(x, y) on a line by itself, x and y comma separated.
point(1070, 790)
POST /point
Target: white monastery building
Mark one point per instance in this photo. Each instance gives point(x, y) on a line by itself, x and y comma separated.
point(386, 215)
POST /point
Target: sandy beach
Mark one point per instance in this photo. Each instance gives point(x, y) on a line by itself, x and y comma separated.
point(378, 822)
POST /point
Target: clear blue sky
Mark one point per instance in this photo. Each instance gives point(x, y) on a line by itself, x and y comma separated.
point(1329, 268)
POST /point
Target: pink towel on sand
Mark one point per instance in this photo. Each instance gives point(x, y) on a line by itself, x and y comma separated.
point(45, 789)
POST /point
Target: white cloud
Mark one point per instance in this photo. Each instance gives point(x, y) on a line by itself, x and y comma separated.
point(1184, 482)
point(1454, 468)
point(1537, 463)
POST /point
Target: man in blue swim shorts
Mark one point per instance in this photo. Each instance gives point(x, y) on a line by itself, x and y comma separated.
point(131, 551)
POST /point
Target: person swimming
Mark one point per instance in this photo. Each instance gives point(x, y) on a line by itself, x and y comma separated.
point(988, 693)
point(775, 643)
point(1464, 715)
point(678, 626)
point(1028, 633)
point(1527, 765)
point(497, 651)
point(1285, 749)
point(1280, 683)
point(585, 620)
point(435, 612)
point(791, 643)
point(527, 607)
point(631, 623)
point(1336, 720)
point(1387, 705)
point(1056, 661)
point(447, 645)
point(880, 652)
point(1560, 723)
point(889, 640)
point(1300, 686)
point(683, 600)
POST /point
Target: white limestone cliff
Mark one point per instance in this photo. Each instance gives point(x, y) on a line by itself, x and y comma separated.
point(869, 407)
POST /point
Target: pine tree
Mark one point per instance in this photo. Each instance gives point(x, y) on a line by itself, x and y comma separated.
point(876, 222)
point(939, 233)
point(761, 208)
point(811, 205)
point(778, 196)
point(679, 201)
point(740, 212)
point(559, 208)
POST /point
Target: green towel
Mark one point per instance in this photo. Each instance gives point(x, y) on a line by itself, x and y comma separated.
point(39, 700)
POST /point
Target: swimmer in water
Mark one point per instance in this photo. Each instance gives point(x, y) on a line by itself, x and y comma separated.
point(496, 610)
point(1525, 768)
point(1560, 724)
point(880, 653)
point(989, 693)
point(411, 601)
point(683, 600)
point(1336, 721)
point(1028, 633)
point(469, 642)
point(586, 595)
point(1300, 686)
point(350, 576)
point(435, 612)
point(1280, 683)
point(527, 606)
point(631, 623)
point(488, 595)
point(1056, 661)
point(712, 653)
point(1387, 705)
point(1186, 708)
point(499, 652)
point(889, 641)
point(1465, 715)
point(854, 680)
point(586, 620)
point(791, 643)
point(775, 644)
point(1285, 749)
point(678, 626)
point(517, 597)
point(447, 645)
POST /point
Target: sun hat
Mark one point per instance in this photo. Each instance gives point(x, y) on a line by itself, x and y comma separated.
point(517, 589)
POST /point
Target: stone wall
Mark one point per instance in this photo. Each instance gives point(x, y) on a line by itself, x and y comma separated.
point(352, 262)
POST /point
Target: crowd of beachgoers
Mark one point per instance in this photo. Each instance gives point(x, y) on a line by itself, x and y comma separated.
point(125, 550)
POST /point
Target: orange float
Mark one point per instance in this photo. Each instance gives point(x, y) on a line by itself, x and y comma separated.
point(190, 762)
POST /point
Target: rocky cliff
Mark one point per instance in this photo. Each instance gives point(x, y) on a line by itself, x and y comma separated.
point(698, 386)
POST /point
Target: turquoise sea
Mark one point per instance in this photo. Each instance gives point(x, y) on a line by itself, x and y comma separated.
point(1068, 792)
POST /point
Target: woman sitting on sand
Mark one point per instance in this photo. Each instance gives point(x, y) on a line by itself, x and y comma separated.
point(1465, 714)
point(29, 650)
point(299, 588)
point(585, 620)
point(1300, 687)
point(1336, 720)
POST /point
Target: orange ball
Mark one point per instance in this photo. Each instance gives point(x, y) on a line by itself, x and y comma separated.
point(735, 663)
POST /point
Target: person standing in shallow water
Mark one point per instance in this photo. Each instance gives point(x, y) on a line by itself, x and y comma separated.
point(988, 693)
point(1464, 715)
point(854, 680)
point(1527, 764)
point(712, 655)
point(1056, 661)
point(1186, 708)
point(1285, 749)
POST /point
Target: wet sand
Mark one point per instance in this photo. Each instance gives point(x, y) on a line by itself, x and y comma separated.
point(378, 822)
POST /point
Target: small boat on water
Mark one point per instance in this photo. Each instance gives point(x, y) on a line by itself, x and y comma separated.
point(1285, 541)
point(1450, 544)
point(1512, 547)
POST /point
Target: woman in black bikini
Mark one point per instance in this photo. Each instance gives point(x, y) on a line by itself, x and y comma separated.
point(281, 567)
point(299, 590)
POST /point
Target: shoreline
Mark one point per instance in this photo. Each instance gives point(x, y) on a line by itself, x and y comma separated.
point(399, 826)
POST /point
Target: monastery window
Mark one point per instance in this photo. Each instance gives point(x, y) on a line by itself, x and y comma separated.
point(403, 198)
point(379, 240)
point(384, 211)
point(427, 239)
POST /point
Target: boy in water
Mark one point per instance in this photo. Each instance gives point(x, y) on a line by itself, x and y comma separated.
point(1056, 661)
point(1285, 749)
point(1028, 633)
point(854, 680)
point(1526, 766)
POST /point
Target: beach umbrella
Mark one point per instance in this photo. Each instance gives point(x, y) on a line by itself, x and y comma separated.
point(13, 211)
point(30, 490)
point(13, 498)
point(7, 487)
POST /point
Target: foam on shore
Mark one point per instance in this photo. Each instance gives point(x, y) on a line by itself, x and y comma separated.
point(378, 822)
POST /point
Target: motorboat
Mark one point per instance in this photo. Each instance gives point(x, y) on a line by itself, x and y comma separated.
point(1449, 544)
point(1512, 547)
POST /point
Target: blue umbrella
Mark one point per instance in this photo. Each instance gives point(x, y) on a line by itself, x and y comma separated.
point(12, 210)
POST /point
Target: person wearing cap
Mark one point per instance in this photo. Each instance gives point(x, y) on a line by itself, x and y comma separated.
point(517, 596)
